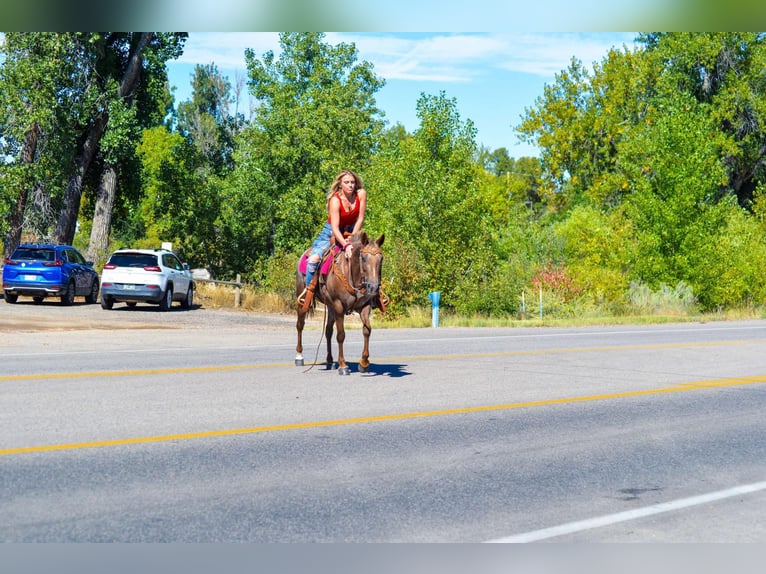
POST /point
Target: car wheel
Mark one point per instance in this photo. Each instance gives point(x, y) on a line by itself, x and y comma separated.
point(67, 298)
point(189, 300)
point(167, 299)
point(92, 296)
point(107, 303)
point(11, 298)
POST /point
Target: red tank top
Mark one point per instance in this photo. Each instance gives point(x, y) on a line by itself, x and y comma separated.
point(347, 218)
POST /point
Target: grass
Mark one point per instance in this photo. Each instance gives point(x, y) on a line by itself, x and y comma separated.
point(218, 296)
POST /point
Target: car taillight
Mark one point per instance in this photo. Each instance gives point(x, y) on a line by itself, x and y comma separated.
point(153, 268)
point(110, 266)
point(57, 263)
point(9, 261)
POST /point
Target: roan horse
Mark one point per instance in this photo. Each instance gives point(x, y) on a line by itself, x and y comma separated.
point(352, 284)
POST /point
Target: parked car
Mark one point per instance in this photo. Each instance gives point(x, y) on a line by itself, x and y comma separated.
point(147, 276)
point(49, 270)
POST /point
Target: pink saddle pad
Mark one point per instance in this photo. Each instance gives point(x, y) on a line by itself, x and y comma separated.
point(325, 266)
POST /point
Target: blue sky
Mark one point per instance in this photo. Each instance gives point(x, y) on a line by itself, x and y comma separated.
point(492, 76)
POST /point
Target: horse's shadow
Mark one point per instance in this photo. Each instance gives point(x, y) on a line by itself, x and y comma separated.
point(392, 370)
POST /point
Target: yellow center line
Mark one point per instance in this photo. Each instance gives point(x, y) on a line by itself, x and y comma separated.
point(682, 387)
point(222, 368)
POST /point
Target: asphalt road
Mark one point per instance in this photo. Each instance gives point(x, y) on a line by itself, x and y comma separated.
point(196, 426)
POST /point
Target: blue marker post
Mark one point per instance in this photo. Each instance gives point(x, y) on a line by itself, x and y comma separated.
point(435, 296)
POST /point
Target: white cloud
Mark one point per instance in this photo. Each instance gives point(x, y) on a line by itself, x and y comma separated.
point(226, 49)
point(448, 57)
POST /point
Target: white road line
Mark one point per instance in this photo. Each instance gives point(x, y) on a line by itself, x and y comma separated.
point(610, 519)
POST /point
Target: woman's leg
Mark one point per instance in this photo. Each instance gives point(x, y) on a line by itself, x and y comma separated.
point(320, 245)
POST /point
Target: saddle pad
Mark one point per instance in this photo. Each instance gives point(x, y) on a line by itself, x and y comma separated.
point(325, 265)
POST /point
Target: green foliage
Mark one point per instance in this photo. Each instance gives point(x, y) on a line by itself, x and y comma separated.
point(316, 116)
point(599, 252)
point(432, 199)
point(276, 274)
point(177, 206)
point(652, 171)
point(678, 300)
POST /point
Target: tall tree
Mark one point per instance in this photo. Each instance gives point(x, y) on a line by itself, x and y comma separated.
point(724, 71)
point(41, 97)
point(206, 121)
point(146, 105)
point(432, 199)
point(114, 87)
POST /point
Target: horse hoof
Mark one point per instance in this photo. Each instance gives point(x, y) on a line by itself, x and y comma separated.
point(298, 362)
point(364, 369)
point(344, 371)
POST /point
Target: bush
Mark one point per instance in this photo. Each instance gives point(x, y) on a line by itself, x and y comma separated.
point(678, 300)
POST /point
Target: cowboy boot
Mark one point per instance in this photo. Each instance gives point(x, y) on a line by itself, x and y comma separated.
point(307, 296)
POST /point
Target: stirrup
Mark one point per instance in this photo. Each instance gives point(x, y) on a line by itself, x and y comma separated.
point(305, 299)
point(383, 301)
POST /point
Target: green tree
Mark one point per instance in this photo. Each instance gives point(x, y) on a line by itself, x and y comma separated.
point(723, 70)
point(90, 84)
point(42, 90)
point(205, 119)
point(180, 204)
point(435, 203)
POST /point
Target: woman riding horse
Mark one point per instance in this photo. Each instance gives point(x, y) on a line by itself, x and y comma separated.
point(346, 206)
point(352, 284)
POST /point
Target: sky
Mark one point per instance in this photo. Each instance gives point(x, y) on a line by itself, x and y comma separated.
point(493, 77)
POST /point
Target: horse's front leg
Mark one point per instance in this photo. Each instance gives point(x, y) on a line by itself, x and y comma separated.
point(364, 363)
point(340, 337)
point(328, 336)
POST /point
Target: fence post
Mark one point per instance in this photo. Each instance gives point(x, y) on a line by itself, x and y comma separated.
point(237, 293)
point(435, 296)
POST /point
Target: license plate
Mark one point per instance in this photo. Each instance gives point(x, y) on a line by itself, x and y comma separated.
point(29, 277)
point(129, 287)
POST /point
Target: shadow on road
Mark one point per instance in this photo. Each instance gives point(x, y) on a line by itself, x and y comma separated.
point(392, 370)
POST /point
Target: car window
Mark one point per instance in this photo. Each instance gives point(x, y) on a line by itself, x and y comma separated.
point(74, 256)
point(133, 260)
point(34, 254)
point(171, 261)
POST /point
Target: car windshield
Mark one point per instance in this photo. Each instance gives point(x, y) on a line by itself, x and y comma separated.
point(30, 254)
point(133, 260)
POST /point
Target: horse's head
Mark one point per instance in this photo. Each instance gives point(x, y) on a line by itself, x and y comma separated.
point(368, 255)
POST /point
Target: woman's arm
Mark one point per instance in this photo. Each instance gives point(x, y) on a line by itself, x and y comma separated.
point(334, 208)
point(361, 197)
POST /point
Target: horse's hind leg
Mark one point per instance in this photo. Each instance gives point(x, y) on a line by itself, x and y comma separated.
point(328, 336)
point(364, 363)
point(299, 347)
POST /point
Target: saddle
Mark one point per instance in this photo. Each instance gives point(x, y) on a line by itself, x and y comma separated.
point(324, 266)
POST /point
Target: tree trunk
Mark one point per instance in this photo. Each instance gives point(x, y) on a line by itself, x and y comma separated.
point(16, 223)
point(65, 229)
point(102, 216)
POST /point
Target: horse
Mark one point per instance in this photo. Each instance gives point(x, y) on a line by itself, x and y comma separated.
point(351, 284)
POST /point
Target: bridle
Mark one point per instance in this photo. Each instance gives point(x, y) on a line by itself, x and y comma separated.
point(364, 281)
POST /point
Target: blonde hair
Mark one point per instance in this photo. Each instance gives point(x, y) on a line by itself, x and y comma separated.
point(336, 184)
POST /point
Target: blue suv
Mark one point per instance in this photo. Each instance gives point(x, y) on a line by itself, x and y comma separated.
point(45, 270)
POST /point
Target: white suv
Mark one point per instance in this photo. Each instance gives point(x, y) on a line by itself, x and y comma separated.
point(146, 275)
